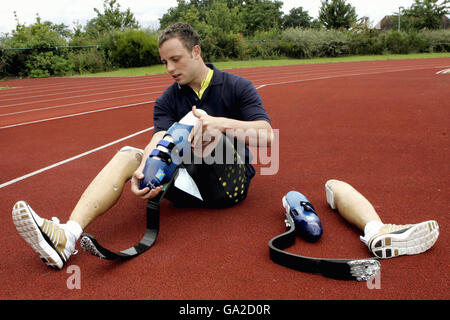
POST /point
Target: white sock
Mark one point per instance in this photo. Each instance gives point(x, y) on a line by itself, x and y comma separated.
point(370, 229)
point(74, 228)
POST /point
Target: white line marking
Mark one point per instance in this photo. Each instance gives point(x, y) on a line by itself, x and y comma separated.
point(76, 103)
point(340, 76)
point(72, 158)
point(98, 85)
point(443, 71)
point(75, 114)
point(83, 96)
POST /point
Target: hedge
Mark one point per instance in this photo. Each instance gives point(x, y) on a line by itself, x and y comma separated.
point(135, 48)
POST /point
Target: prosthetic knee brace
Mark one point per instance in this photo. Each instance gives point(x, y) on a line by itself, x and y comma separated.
point(169, 153)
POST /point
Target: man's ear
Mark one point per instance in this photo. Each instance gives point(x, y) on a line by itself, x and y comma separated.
point(197, 51)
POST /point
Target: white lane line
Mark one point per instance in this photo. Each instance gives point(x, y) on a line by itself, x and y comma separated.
point(329, 73)
point(67, 96)
point(443, 71)
point(71, 90)
point(344, 75)
point(75, 114)
point(62, 86)
point(77, 103)
point(31, 174)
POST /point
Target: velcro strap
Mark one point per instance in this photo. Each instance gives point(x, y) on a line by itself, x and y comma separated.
point(167, 144)
point(308, 206)
point(161, 154)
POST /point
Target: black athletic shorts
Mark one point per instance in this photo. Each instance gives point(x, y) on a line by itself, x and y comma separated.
point(222, 184)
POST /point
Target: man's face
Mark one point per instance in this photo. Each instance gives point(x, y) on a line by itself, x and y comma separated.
point(180, 63)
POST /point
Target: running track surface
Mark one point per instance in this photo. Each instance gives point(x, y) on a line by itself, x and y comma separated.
point(381, 126)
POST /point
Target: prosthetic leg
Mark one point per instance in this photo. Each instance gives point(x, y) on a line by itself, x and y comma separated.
point(170, 152)
point(160, 169)
point(342, 269)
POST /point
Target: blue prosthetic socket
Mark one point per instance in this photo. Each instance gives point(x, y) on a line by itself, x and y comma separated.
point(307, 223)
point(161, 165)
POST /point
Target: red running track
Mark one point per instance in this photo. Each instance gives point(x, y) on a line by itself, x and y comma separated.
point(381, 126)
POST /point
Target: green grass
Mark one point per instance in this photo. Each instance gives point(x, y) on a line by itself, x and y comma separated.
point(160, 69)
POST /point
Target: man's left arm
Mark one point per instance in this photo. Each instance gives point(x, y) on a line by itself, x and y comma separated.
point(252, 133)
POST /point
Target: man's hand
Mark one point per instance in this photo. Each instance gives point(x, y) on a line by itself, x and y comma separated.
point(206, 133)
point(145, 193)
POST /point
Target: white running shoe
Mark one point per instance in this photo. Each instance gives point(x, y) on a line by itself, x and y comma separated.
point(51, 240)
point(396, 240)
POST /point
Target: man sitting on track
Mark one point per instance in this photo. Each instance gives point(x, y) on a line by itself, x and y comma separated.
point(232, 104)
point(383, 240)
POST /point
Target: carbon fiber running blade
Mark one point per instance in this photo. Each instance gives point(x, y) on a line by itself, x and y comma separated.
point(364, 269)
point(89, 244)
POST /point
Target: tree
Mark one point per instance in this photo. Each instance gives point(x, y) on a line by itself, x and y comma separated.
point(337, 14)
point(297, 18)
point(39, 35)
point(425, 14)
point(174, 14)
point(224, 18)
point(35, 53)
point(112, 18)
point(261, 15)
point(248, 16)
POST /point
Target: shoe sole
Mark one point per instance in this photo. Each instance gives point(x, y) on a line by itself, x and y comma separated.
point(416, 239)
point(28, 228)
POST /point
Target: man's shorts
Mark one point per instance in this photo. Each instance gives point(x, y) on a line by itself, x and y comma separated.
point(222, 183)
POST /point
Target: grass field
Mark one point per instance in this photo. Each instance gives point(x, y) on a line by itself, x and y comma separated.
point(159, 69)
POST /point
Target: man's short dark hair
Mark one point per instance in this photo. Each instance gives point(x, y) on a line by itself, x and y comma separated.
point(183, 31)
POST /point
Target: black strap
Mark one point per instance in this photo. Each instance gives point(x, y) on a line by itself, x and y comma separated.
point(343, 269)
point(91, 245)
point(161, 154)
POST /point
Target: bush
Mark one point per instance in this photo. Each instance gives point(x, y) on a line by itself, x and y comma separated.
point(229, 45)
point(333, 43)
point(264, 45)
point(417, 43)
point(436, 40)
point(40, 58)
point(132, 48)
point(309, 43)
point(45, 64)
point(12, 62)
point(396, 42)
point(366, 43)
point(89, 60)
